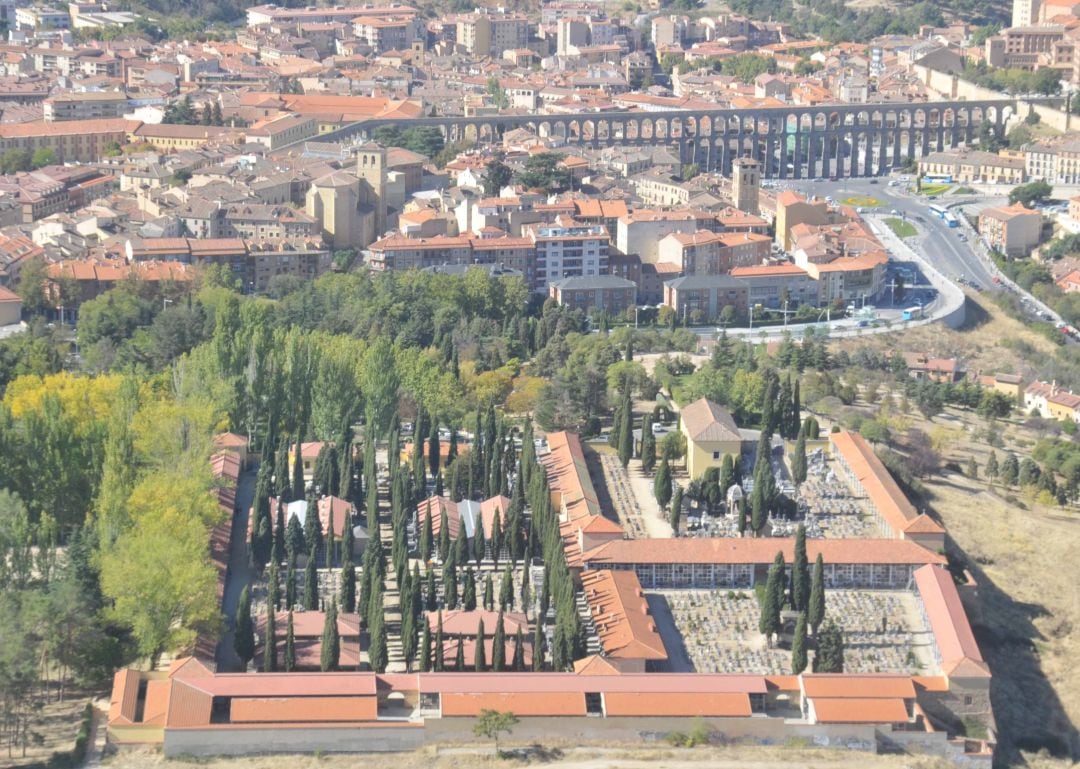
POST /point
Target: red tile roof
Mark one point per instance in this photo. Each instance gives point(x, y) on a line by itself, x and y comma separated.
point(677, 704)
point(949, 623)
point(857, 710)
point(620, 611)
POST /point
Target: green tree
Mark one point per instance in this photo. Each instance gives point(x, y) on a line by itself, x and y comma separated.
point(675, 514)
point(43, 156)
point(992, 470)
point(626, 435)
point(270, 661)
point(800, 575)
point(244, 637)
point(769, 620)
point(798, 459)
point(648, 445)
point(348, 587)
point(498, 648)
point(330, 648)
point(1031, 193)
point(311, 585)
point(815, 610)
point(496, 176)
point(798, 646)
point(290, 645)
point(830, 650)
point(545, 171)
point(377, 653)
point(492, 723)
point(479, 659)
point(662, 484)
point(1010, 470)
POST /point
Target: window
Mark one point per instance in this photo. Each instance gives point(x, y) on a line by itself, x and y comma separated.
point(716, 455)
point(968, 699)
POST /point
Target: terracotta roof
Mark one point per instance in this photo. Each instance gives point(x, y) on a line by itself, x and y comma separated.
point(594, 665)
point(8, 296)
point(125, 694)
point(306, 709)
point(715, 704)
point(568, 475)
point(620, 611)
point(477, 683)
point(756, 551)
point(833, 685)
point(891, 503)
point(708, 422)
point(857, 710)
point(459, 622)
point(948, 622)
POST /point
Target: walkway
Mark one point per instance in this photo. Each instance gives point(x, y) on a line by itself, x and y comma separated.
point(239, 574)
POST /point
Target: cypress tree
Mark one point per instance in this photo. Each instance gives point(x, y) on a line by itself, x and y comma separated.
point(273, 587)
point(498, 648)
point(244, 636)
point(330, 539)
point(496, 537)
point(290, 648)
point(425, 537)
point(489, 593)
point(662, 484)
point(425, 648)
point(798, 646)
point(377, 655)
point(648, 445)
point(675, 516)
point(444, 535)
point(440, 650)
point(277, 554)
point(290, 586)
point(311, 585)
point(506, 590)
point(431, 596)
point(626, 433)
point(461, 545)
point(727, 477)
point(330, 648)
point(769, 622)
point(270, 640)
point(815, 610)
point(433, 448)
point(479, 661)
point(281, 470)
point(800, 575)
point(295, 544)
point(742, 515)
point(518, 663)
point(450, 589)
point(538, 645)
point(782, 581)
point(408, 636)
point(798, 459)
point(524, 594)
point(478, 541)
point(348, 543)
point(298, 485)
point(348, 587)
point(468, 592)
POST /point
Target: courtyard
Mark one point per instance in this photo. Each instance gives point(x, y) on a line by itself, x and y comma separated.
point(716, 631)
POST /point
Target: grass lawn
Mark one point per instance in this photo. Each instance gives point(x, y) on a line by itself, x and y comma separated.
point(861, 201)
point(935, 189)
point(903, 229)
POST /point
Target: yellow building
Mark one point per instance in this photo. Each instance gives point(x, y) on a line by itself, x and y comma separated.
point(710, 434)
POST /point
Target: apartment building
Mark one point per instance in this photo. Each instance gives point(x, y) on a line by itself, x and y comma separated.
point(491, 32)
point(705, 296)
point(713, 253)
point(1013, 230)
point(74, 141)
point(567, 250)
point(390, 33)
point(601, 293)
point(86, 106)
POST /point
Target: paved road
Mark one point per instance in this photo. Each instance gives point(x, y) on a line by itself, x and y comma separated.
point(239, 571)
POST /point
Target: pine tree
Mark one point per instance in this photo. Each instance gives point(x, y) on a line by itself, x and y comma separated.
point(662, 484)
point(800, 575)
point(489, 593)
point(330, 648)
point(311, 585)
point(506, 590)
point(769, 622)
point(798, 646)
point(648, 445)
point(1010, 470)
point(992, 469)
point(348, 588)
point(498, 648)
point(518, 662)
point(798, 459)
point(815, 611)
point(244, 637)
point(290, 646)
point(468, 592)
point(425, 648)
point(270, 640)
point(479, 661)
